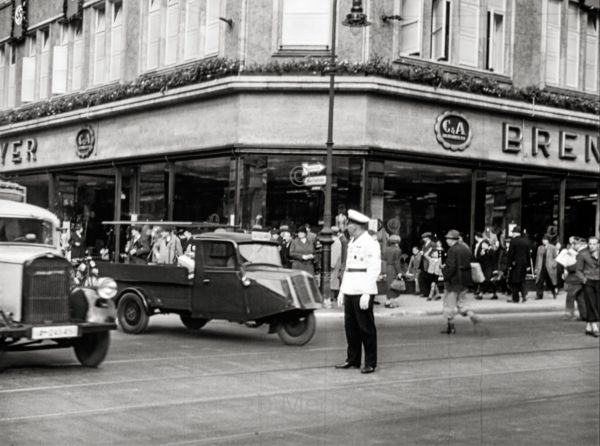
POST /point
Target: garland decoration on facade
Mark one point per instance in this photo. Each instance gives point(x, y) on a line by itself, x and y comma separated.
point(216, 68)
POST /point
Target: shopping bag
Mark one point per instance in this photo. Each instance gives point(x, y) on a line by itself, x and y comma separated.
point(477, 275)
point(398, 285)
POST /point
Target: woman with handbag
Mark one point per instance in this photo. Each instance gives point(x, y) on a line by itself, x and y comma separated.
point(391, 258)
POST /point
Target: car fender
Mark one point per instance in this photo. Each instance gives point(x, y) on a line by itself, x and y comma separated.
point(140, 293)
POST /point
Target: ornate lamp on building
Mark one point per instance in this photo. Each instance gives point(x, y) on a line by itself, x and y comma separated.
point(355, 19)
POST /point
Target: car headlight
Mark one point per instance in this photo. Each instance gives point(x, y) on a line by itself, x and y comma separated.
point(106, 288)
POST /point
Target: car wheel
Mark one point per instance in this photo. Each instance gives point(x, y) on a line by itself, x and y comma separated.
point(91, 348)
point(297, 331)
point(193, 323)
point(131, 314)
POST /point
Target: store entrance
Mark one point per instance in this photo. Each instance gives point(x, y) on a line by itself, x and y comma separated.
point(87, 198)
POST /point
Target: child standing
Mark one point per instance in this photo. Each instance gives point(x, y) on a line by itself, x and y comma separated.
point(434, 271)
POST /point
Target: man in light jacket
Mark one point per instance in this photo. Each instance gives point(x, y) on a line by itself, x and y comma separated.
point(545, 268)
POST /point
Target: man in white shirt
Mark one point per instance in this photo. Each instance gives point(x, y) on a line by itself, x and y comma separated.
point(357, 293)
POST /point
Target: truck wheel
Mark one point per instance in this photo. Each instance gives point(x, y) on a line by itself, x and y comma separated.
point(131, 314)
point(91, 348)
point(297, 331)
point(193, 323)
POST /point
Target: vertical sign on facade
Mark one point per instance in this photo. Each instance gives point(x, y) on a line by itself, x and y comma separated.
point(19, 20)
point(73, 10)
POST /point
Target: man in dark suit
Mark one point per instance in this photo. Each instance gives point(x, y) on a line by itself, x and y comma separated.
point(518, 260)
point(457, 279)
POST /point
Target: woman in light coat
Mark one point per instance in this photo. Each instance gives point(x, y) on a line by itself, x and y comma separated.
point(545, 267)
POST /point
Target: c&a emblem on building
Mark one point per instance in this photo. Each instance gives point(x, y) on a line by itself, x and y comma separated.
point(85, 141)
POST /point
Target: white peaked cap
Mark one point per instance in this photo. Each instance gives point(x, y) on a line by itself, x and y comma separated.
point(357, 217)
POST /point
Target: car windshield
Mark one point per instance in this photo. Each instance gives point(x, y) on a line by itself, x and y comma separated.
point(260, 253)
point(25, 230)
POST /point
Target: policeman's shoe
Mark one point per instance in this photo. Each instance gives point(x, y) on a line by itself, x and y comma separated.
point(346, 365)
point(449, 329)
point(367, 369)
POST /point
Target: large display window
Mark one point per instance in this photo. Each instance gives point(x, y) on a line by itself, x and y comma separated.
point(582, 217)
point(421, 198)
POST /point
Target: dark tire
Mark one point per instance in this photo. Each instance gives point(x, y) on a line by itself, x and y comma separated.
point(193, 323)
point(91, 348)
point(131, 314)
point(297, 331)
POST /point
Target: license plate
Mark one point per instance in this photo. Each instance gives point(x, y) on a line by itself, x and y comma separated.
point(56, 331)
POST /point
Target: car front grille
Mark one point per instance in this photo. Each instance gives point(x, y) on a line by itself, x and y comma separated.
point(46, 286)
point(306, 289)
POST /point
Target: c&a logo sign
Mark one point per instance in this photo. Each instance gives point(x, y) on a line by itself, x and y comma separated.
point(452, 131)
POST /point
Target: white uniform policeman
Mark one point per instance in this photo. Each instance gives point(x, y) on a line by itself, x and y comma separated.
point(357, 294)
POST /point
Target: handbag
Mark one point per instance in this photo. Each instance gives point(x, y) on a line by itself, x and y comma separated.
point(477, 275)
point(398, 285)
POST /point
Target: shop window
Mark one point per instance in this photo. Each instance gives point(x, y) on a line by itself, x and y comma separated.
point(205, 190)
point(495, 36)
point(440, 30)
point(153, 191)
point(581, 212)
point(88, 197)
point(305, 24)
point(175, 31)
point(540, 206)
point(591, 54)
point(410, 28)
point(274, 189)
point(421, 198)
point(468, 33)
point(37, 189)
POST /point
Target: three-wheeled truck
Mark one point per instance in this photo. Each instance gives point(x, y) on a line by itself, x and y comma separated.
point(234, 276)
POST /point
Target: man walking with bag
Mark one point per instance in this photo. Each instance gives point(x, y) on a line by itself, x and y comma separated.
point(357, 293)
point(457, 279)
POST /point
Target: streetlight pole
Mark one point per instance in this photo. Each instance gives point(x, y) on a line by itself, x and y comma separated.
point(356, 18)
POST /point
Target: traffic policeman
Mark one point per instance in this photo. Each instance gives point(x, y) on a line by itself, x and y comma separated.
point(357, 294)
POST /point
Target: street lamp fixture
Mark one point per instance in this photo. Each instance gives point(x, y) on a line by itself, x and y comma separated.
point(355, 19)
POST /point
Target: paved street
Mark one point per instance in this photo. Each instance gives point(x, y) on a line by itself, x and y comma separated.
point(520, 379)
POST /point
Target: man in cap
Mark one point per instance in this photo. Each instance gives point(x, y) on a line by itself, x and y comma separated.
point(457, 279)
point(357, 294)
point(518, 260)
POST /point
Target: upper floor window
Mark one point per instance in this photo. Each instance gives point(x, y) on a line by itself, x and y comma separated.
point(3, 74)
point(35, 75)
point(410, 27)
point(179, 30)
point(306, 23)
point(571, 41)
point(591, 54)
point(67, 59)
point(440, 29)
point(468, 33)
point(495, 36)
point(99, 37)
point(116, 39)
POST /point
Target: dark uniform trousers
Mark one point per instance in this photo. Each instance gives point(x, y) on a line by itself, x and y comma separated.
point(360, 331)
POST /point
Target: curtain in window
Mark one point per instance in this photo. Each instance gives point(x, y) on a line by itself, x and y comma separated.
point(306, 23)
point(468, 35)
point(410, 27)
point(553, 41)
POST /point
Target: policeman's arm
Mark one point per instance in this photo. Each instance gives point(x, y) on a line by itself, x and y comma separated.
point(373, 262)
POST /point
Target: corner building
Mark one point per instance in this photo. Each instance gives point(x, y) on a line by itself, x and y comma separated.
point(206, 110)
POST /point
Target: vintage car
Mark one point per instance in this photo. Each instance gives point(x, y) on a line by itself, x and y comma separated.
point(235, 276)
point(40, 306)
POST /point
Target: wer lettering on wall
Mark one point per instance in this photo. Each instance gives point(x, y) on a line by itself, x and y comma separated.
point(18, 151)
point(570, 145)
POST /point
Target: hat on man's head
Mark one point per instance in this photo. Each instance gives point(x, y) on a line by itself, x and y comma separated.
point(453, 234)
point(357, 217)
point(284, 228)
point(427, 235)
point(394, 238)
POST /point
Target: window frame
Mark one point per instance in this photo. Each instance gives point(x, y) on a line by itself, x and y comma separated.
point(302, 48)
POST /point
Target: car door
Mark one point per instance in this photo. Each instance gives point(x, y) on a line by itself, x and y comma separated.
point(219, 292)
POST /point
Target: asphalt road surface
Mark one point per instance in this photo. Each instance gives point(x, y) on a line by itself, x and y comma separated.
point(517, 380)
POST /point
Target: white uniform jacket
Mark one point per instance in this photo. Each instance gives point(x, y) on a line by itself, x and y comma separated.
point(363, 266)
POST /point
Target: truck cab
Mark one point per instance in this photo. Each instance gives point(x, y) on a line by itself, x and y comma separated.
point(40, 306)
